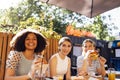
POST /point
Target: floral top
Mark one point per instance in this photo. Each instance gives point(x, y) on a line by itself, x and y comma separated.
point(18, 62)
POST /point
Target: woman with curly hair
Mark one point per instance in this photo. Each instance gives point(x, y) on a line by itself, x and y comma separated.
point(26, 45)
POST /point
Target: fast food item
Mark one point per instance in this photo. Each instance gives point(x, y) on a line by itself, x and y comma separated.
point(94, 55)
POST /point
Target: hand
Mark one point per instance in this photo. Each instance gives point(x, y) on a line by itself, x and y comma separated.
point(82, 73)
point(36, 65)
point(88, 53)
point(102, 60)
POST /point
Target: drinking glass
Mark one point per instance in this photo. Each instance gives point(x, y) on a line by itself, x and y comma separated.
point(111, 74)
point(41, 71)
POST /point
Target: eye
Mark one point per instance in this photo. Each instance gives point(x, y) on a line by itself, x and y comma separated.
point(90, 46)
point(27, 39)
point(34, 38)
point(63, 45)
point(69, 45)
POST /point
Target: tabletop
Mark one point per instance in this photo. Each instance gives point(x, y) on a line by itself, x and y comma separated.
point(86, 78)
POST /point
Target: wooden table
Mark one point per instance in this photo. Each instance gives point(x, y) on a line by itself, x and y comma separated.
point(86, 78)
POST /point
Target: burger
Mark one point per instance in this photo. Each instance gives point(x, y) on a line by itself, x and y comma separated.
point(94, 55)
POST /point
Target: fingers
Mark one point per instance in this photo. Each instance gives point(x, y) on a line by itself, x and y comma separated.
point(87, 54)
point(39, 60)
point(102, 60)
point(83, 73)
point(37, 66)
point(90, 51)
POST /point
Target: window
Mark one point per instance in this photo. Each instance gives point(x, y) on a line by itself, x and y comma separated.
point(77, 50)
point(117, 52)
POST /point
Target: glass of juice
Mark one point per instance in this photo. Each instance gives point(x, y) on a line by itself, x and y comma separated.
point(111, 74)
point(41, 68)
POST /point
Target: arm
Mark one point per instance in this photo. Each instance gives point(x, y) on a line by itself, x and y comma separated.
point(44, 61)
point(11, 64)
point(102, 70)
point(82, 65)
point(83, 62)
point(10, 75)
point(83, 69)
point(52, 66)
point(68, 74)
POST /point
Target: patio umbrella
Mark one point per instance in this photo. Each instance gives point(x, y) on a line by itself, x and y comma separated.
point(89, 8)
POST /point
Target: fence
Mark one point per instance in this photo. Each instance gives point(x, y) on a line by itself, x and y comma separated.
point(4, 50)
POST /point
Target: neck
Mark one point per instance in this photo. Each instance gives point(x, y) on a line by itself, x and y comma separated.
point(62, 55)
point(29, 54)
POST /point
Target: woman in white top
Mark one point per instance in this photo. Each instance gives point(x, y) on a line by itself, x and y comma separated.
point(59, 64)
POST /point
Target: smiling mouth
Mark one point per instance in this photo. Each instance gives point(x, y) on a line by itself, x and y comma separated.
point(31, 44)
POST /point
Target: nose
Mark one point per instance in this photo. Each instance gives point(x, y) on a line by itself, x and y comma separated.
point(67, 48)
point(31, 40)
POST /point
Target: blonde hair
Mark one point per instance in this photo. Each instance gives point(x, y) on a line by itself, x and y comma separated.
point(89, 40)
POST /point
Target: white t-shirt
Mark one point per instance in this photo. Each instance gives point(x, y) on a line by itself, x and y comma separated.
point(95, 64)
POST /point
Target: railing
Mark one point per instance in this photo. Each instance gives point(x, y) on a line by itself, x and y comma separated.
point(5, 39)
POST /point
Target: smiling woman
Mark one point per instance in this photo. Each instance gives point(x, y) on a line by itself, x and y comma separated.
point(5, 4)
point(21, 62)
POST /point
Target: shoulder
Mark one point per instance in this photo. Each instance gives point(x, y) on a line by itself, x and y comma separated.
point(68, 58)
point(80, 57)
point(53, 57)
point(14, 53)
point(13, 59)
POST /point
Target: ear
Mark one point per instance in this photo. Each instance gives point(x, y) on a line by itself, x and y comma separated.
point(59, 48)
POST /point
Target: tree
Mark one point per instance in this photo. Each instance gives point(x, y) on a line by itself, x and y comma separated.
point(35, 14)
point(99, 29)
point(30, 9)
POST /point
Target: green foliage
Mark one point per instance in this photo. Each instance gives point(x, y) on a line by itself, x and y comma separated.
point(33, 23)
point(99, 29)
point(49, 20)
point(29, 14)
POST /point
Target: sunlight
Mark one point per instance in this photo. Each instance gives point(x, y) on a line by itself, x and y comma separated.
point(5, 4)
point(115, 13)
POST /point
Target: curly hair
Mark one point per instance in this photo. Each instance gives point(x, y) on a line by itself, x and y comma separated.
point(18, 41)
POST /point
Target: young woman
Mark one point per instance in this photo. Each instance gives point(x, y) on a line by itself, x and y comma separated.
point(86, 64)
point(20, 64)
point(59, 64)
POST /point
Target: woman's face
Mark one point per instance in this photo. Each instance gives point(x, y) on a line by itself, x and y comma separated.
point(31, 41)
point(65, 47)
point(88, 46)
